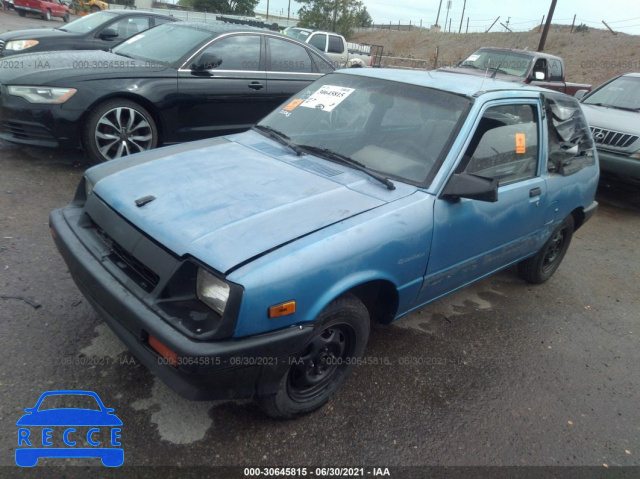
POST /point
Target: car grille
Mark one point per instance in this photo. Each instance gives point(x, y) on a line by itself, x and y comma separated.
point(612, 138)
point(27, 131)
point(133, 268)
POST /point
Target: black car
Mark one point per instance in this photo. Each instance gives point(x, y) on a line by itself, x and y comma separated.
point(173, 83)
point(98, 31)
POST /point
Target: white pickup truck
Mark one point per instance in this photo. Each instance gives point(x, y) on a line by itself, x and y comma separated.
point(343, 54)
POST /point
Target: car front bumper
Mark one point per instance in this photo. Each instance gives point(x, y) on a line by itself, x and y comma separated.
point(38, 125)
point(222, 369)
point(623, 167)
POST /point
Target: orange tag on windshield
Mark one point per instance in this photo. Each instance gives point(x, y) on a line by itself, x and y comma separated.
point(292, 105)
point(521, 145)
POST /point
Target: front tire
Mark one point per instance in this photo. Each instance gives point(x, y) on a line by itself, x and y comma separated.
point(541, 267)
point(66, 17)
point(118, 128)
point(47, 15)
point(95, 8)
point(325, 363)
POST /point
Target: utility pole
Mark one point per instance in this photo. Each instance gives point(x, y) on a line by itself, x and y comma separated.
point(547, 25)
point(438, 17)
point(462, 16)
point(289, 13)
point(494, 22)
point(447, 17)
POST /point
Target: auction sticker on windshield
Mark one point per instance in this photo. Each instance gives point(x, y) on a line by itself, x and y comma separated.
point(328, 97)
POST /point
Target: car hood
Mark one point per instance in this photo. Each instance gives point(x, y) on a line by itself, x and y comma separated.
point(612, 118)
point(69, 417)
point(37, 34)
point(47, 68)
point(227, 203)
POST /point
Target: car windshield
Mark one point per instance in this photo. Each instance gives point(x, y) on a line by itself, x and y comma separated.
point(297, 33)
point(66, 401)
point(395, 129)
point(623, 92)
point(89, 23)
point(504, 62)
point(152, 45)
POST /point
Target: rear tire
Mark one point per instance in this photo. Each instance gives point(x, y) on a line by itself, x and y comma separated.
point(47, 15)
point(541, 267)
point(66, 17)
point(95, 8)
point(22, 13)
point(325, 362)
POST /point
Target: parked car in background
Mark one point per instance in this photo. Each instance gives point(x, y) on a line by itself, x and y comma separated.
point(336, 47)
point(47, 9)
point(533, 68)
point(173, 83)
point(613, 111)
point(98, 31)
point(253, 264)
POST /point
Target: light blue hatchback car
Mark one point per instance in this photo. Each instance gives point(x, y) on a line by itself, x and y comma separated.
point(253, 264)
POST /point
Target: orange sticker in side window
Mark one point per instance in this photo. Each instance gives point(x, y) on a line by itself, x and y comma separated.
point(521, 145)
point(292, 104)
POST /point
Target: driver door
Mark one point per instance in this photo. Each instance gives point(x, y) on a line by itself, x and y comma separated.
point(473, 238)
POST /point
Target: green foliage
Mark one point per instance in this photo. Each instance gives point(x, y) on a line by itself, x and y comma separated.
point(340, 16)
point(582, 28)
point(232, 7)
point(363, 19)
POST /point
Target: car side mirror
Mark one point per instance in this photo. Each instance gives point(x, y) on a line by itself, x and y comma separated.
point(465, 185)
point(580, 94)
point(538, 76)
point(206, 61)
point(108, 34)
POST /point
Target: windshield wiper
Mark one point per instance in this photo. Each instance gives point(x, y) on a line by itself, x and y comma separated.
point(333, 155)
point(468, 65)
point(121, 54)
point(614, 106)
point(279, 137)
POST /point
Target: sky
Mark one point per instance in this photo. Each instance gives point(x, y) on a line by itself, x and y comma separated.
point(621, 15)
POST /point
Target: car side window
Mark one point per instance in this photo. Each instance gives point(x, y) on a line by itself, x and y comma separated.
point(320, 65)
point(318, 41)
point(286, 56)
point(505, 144)
point(335, 44)
point(237, 52)
point(555, 70)
point(571, 146)
point(128, 27)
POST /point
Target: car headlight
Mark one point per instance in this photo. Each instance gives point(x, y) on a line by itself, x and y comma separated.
point(39, 94)
point(212, 291)
point(17, 45)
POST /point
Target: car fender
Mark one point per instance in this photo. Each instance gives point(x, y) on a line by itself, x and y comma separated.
point(390, 243)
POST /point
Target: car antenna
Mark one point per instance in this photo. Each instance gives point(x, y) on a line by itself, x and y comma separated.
point(493, 76)
point(485, 73)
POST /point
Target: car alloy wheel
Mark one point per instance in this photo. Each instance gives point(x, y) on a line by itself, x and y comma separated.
point(118, 128)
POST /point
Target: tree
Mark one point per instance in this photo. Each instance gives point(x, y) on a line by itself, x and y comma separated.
point(335, 15)
point(363, 18)
point(234, 7)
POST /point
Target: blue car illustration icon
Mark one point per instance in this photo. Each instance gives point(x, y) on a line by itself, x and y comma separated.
point(69, 432)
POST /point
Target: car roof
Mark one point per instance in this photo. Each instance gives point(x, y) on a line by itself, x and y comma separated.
point(468, 85)
point(520, 52)
point(122, 11)
point(221, 27)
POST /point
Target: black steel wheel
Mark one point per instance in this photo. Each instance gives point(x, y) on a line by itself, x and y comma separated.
point(545, 262)
point(118, 128)
point(325, 362)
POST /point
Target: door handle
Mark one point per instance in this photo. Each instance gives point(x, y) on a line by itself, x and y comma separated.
point(535, 192)
point(256, 85)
